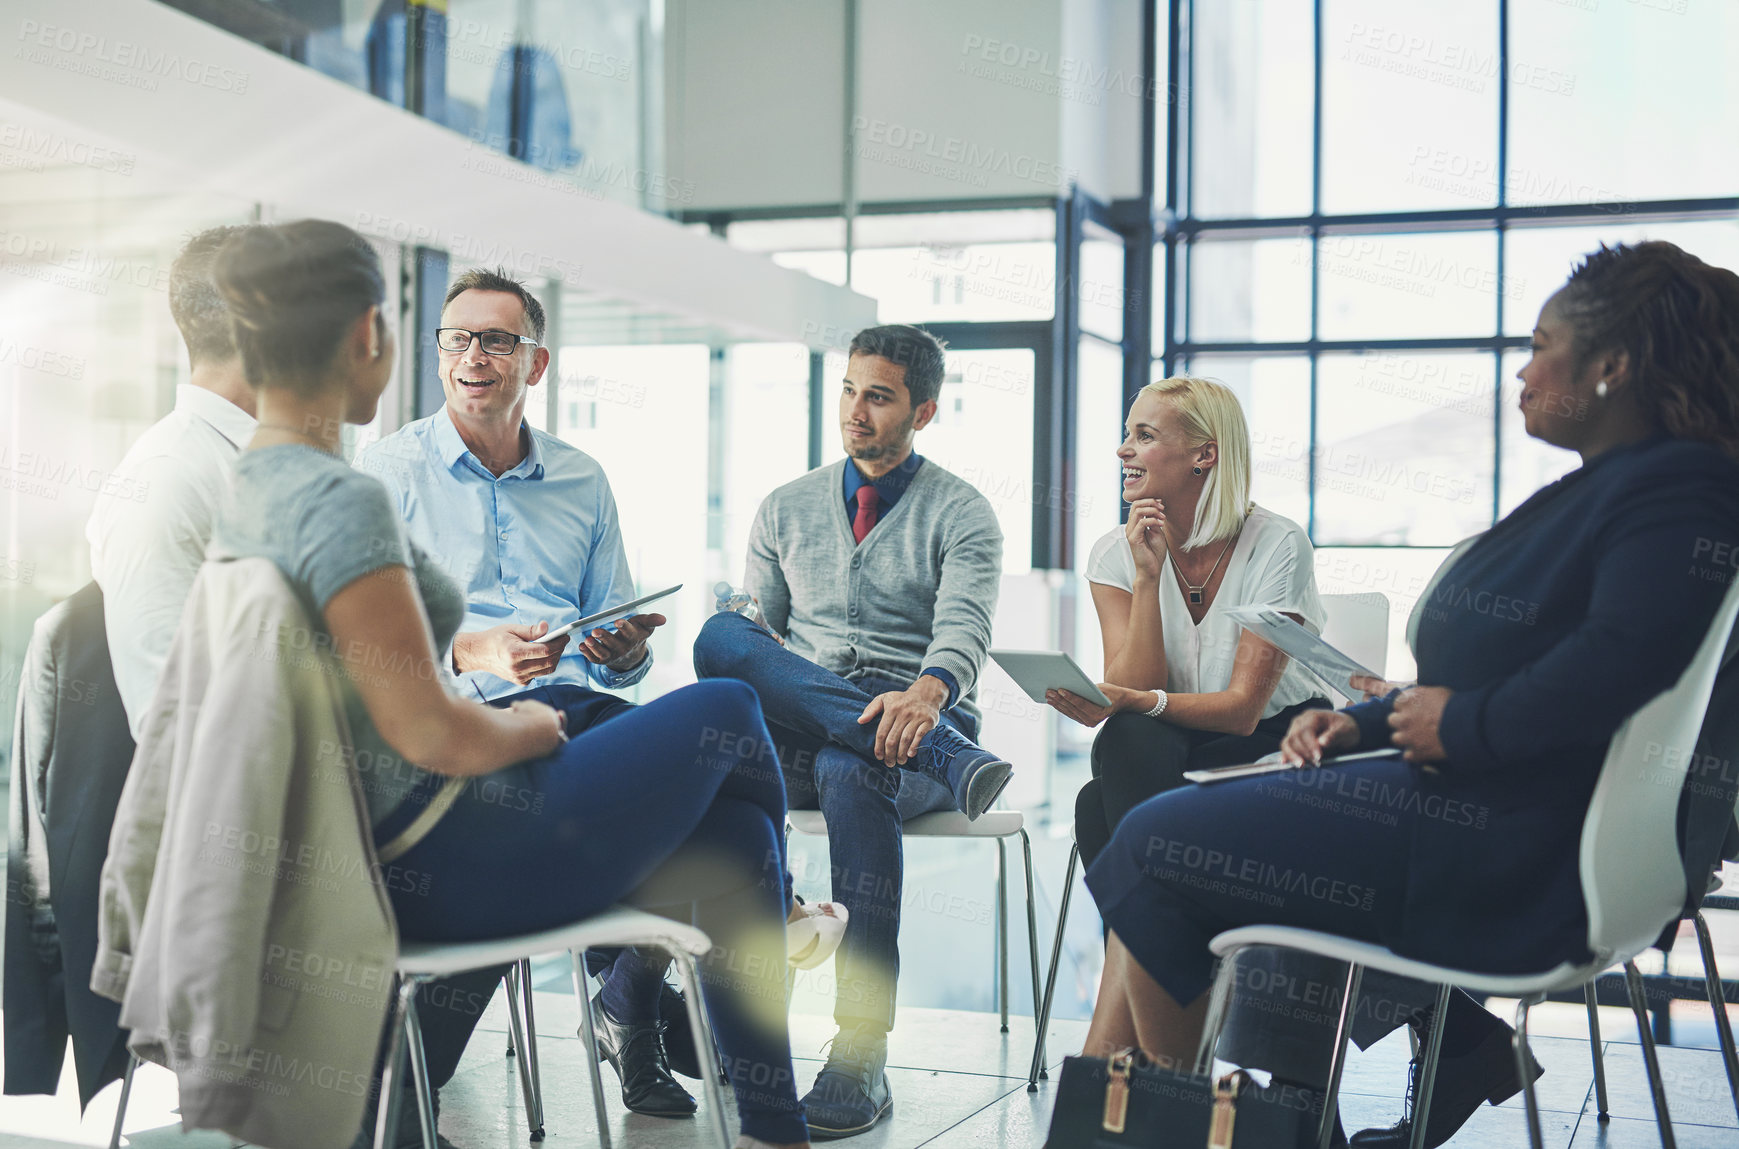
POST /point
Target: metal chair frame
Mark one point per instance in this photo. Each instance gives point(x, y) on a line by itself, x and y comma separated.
point(1043, 1021)
point(999, 825)
point(1717, 1004)
point(618, 927)
point(419, 964)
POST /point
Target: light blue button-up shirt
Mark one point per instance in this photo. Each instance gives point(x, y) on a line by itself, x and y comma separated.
point(542, 542)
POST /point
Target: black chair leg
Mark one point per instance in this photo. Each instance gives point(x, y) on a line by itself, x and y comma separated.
point(1639, 1006)
point(1602, 1110)
point(126, 1094)
point(1718, 1004)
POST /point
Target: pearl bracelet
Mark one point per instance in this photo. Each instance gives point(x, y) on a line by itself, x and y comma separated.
point(1159, 707)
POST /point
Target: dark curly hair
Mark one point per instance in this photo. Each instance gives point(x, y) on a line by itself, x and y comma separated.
point(293, 290)
point(1677, 319)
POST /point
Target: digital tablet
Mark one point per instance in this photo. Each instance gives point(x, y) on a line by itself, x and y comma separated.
point(613, 613)
point(1273, 765)
point(1335, 669)
point(1036, 671)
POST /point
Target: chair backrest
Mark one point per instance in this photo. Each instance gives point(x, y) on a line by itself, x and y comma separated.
point(1358, 626)
point(1633, 875)
point(1711, 797)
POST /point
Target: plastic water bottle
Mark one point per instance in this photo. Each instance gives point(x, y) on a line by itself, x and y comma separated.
point(741, 601)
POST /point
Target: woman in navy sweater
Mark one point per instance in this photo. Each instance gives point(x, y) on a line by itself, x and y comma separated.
point(1545, 635)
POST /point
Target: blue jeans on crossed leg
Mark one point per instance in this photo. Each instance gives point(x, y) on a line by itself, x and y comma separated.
point(828, 762)
point(796, 693)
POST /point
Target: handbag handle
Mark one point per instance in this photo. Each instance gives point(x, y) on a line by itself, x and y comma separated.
point(1226, 1091)
point(1116, 1113)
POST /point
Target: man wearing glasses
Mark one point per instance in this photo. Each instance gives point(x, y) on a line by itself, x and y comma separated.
point(527, 525)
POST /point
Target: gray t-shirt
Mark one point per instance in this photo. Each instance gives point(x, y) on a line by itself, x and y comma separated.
point(326, 525)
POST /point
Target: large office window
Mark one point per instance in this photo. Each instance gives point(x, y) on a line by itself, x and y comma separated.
point(1372, 203)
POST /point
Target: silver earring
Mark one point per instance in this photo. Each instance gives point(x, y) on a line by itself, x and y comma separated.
point(1600, 389)
point(1198, 470)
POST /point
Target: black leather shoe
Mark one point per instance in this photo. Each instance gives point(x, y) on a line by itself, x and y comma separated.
point(678, 1038)
point(1487, 1072)
point(851, 1092)
point(636, 1053)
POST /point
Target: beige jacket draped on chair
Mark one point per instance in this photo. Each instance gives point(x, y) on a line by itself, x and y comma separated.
point(244, 924)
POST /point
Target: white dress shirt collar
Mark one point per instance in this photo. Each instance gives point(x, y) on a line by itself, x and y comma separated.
point(225, 417)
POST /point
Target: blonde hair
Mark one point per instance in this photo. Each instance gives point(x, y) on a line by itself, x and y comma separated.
point(1210, 412)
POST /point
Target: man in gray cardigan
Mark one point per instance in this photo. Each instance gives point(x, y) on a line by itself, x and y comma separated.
point(881, 573)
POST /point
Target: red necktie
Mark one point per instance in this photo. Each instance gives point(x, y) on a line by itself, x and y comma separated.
point(866, 512)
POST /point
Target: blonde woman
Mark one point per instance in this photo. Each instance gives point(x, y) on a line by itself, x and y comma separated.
point(1189, 688)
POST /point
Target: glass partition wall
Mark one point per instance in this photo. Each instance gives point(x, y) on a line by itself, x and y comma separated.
point(570, 89)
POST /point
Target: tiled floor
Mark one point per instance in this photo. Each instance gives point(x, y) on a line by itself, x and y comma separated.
point(957, 1083)
point(956, 1080)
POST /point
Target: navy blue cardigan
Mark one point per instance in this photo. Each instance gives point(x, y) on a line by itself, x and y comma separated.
point(1564, 619)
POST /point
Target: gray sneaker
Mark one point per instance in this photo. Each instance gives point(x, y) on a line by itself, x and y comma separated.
point(851, 1092)
point(972, 774)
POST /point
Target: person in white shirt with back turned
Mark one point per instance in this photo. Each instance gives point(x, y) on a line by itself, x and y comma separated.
point(145, 552)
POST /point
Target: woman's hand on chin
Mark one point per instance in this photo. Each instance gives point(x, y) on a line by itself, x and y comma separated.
point(1092, 714)
point(1145, 531)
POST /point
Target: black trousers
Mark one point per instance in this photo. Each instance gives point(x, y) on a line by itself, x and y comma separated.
point(1136, 757)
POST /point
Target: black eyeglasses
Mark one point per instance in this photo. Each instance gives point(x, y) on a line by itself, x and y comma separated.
point(494, 342)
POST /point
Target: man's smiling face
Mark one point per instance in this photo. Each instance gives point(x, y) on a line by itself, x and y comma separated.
point(484, 389)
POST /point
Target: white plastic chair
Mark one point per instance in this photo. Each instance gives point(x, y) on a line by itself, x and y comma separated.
point(997, 824)
point(1633, 884)
point(1358, 626)
point(420, 963)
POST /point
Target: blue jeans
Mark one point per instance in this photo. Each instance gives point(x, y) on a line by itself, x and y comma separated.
point(829, 764)
point(675, 806)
